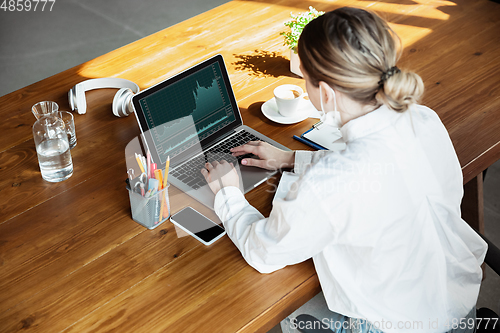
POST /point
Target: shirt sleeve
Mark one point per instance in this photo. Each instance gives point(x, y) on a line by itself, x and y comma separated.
point(304, 158)
point(295, 230)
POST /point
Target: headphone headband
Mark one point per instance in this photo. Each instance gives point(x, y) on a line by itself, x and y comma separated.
point(121, 101)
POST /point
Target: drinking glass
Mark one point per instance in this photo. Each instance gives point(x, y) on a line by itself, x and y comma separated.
point(69, 123)
point(52, 148)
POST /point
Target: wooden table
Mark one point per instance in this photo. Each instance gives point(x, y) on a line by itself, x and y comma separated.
point(71, 257)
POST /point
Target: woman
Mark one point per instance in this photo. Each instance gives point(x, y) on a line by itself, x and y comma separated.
point(380, 219)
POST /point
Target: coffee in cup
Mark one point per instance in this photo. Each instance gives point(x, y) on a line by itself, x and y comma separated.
point(290, 94)
point(288, 97)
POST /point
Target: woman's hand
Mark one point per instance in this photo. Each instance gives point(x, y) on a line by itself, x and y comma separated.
point(271, 158)
point(219, 175)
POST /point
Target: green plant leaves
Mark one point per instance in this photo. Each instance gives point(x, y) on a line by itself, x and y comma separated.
point(296, 25)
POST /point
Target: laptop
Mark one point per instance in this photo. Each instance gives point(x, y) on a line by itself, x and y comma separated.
point(193, 118)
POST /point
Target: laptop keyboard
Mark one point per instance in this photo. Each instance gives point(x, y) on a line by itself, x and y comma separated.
point(189, 173)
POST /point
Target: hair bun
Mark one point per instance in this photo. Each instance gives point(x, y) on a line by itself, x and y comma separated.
point(400, 89)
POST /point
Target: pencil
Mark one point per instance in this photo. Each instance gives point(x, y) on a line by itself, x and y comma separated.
point(163, 211)
point(158, 175)
point(167, 166)
point(139, 162)
point(148, 163)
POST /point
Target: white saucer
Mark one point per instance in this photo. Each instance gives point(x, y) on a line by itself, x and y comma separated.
point(305, 110)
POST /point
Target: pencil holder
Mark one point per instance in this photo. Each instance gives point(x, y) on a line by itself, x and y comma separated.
point(150, 211)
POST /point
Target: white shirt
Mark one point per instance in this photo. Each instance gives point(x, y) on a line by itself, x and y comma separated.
point(380, 219)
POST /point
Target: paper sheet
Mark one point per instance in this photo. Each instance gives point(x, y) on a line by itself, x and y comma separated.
point(326, 136)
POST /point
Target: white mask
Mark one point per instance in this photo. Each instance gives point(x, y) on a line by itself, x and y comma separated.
point(330, 118)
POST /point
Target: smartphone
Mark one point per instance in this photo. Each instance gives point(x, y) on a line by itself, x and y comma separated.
point(198, 226)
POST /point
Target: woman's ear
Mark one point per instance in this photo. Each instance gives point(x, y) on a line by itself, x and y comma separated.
point(328, 94)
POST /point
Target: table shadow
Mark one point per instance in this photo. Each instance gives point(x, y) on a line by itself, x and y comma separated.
point(264, 64)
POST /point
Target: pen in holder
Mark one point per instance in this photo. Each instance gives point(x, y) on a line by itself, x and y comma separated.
point(150, 211)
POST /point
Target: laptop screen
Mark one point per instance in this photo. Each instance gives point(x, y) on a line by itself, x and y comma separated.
point(187, 109)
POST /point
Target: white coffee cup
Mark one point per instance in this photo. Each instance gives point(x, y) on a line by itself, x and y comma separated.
point(288, 97)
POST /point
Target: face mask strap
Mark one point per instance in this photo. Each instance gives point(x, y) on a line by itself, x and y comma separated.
point(334, 99)
point(321, 100)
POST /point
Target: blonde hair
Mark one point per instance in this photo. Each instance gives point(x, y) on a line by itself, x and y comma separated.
point(355, 52)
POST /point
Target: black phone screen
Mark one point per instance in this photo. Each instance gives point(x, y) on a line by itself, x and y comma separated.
point(198, 224)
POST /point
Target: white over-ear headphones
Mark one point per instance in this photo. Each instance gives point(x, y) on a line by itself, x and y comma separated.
point(121, 102)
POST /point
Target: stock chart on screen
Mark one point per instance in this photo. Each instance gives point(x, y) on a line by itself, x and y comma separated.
point(185, 112)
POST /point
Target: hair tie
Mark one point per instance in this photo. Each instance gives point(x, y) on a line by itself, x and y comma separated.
point(385, 76)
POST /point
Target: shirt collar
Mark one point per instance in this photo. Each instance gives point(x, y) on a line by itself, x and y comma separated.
point(369, 123)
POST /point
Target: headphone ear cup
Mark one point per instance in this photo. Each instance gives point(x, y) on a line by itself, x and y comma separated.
point(79, 100)
point(71, 99)
point(121, 102)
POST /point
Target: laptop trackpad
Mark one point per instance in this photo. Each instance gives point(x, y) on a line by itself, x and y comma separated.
point(252, 176)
